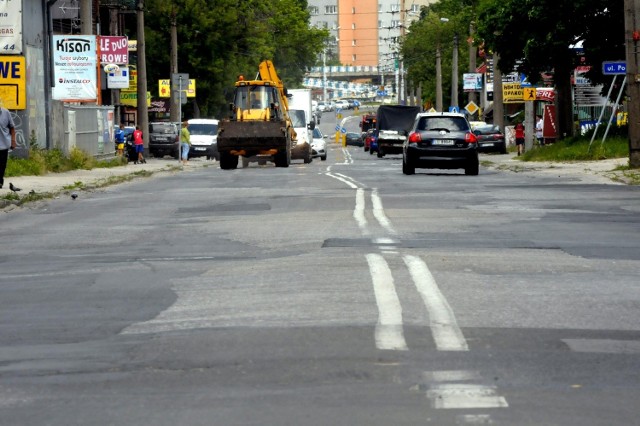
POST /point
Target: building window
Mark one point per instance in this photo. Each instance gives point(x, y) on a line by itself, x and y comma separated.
point(353, 58)
point(415, 8)
point(379, 24)
point(314, 10)
point(395, 8)
point(353, 42)
point(353, 10)
point(395, 24)
point(353, 26)
point(331, 10)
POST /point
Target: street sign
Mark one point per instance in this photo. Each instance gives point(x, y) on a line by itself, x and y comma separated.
point(529, 93)
point(614, 68)
point(13, 82)
point(180, 79)
point(343, 130)
point(471, 107)
point(455, 109)
point(337, 127)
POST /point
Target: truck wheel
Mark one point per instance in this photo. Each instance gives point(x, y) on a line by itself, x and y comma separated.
point(282, 158)
point(228, 161)
point(308, 158)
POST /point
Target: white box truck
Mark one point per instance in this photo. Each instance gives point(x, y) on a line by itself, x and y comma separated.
point(301, 114)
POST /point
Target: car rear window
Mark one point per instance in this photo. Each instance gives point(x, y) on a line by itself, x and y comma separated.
point(199, 129)
point(446, 123)
point(162, 128)
point(487, 130)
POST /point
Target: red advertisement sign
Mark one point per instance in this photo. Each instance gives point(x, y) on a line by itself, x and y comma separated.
point(549, 128)
point(545, 94)
point(114, 50)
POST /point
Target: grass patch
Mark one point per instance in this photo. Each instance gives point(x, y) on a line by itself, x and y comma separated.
point(42, 161)
point(578, 149)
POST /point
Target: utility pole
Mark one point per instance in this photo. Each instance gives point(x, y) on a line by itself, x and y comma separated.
point(176, 98)
point(454, 72)
point(472, 60)
point(86, 17)
point(438, 80)
point(498, 106)
point(632, 39)
point(143, 112)
point(114, 30)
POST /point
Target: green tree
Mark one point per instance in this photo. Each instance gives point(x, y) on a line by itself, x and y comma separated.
point(425, 35)
point(536, 36)
point(217, 41)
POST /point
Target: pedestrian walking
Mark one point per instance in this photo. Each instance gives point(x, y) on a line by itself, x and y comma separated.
point(519, 128)
point(139, 143)
point(119, 139)
point(185, 142)
point(7, 140)
point(539, 133)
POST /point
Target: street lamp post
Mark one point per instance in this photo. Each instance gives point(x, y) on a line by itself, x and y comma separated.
point(439, 71)
point(454, 72)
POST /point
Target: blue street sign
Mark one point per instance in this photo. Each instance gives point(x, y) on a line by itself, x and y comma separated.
point(337, 127)
point(381, 93)
point(343, 130)
point(454, 109)
point(614, 68)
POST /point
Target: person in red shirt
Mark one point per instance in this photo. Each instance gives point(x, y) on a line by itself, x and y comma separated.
point(139, 143)
point(519, 128)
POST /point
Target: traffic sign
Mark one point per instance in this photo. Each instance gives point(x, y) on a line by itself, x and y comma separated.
point(337, 127)
point(180, 79)
point(529, 93)
point(343, 130)
point(455, 109)
point(471, 107)
point(614, 68)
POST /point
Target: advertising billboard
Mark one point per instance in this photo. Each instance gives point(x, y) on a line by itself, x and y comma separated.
point(75, 68)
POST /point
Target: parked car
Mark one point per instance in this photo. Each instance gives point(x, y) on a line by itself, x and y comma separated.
point(440, 141)
point(354, 138)
point(164, 139)
point(490, 139)
point(204, 138)
point(322, 107)
point(319, 144)
point(342, 104)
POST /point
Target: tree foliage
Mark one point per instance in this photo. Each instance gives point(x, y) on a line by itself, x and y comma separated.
point(530, 36)
point(217, 41)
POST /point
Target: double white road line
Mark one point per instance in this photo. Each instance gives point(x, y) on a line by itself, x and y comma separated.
point(389, 330)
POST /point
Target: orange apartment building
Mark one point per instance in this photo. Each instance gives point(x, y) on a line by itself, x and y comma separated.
point(358, 42)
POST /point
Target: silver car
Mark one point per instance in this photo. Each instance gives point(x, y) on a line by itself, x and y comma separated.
point(319, 145)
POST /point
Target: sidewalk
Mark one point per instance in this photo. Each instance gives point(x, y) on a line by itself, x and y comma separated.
point(600, 172)
point(55, 184)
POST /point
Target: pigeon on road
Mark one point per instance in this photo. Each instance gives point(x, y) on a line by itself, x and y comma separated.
point(14, 188)
point(74, 195)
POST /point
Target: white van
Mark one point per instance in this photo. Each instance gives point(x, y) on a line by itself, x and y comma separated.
point(204, 138)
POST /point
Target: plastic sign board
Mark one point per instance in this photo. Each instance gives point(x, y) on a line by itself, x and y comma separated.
point(118, 79)
point(130, 98)
point(114, 50)
point(455, 109)
point(472, 82)
point(529, 93)
point(75, 68)
point(512, 93)
point(614, 68)
point(10, 27)
point(164, 88)
point(13, 82)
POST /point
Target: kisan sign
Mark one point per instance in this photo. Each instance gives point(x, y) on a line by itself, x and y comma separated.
point(74, 67)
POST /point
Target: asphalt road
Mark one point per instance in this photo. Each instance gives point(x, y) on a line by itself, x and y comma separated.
point(333, 293)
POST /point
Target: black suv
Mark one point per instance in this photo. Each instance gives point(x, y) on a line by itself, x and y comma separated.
point(164, 139)
point(440, 141)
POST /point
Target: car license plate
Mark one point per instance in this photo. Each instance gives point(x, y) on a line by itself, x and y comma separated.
point(200, 148)
point(487, 144)
point(445, 142)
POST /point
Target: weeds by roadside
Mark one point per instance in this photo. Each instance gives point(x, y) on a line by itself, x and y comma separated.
point(42, 161)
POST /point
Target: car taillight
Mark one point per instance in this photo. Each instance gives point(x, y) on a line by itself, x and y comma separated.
point(415, 137)
point(470, 138)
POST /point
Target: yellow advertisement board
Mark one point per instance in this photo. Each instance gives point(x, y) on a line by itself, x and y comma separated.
point(13, 82)
point(512, 93)
point(164, 88)
point(130, 97)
